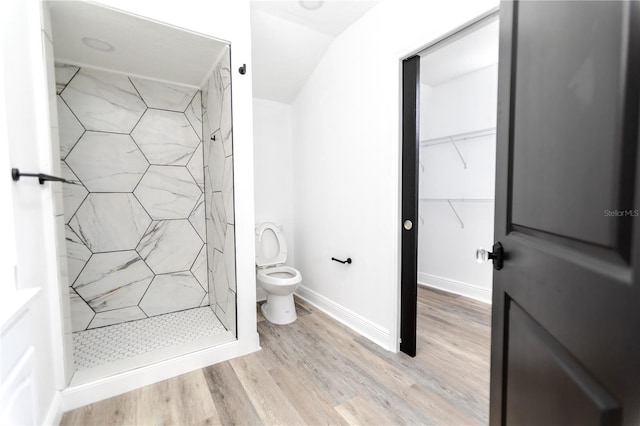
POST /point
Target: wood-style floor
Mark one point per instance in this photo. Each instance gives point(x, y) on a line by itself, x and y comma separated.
point(316, 371)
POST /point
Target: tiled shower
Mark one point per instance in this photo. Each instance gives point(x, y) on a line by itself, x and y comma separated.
point(149, 218)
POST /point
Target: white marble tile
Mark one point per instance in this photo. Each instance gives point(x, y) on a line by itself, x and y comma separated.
point(216, 222)
point(197, 219)
point(212, 290)
point(77, 254)
point(72, 194)
point(220, 280)
point(224, 67)
point(230, 256)
point(205, 300)
point(194, 114)
point(227, 189)
point(69, 128)
point(164, 95)
point(138, 342)
point(63, 258)
point(104, 101)
point(229, 317)
point(206, 136)
point(196, 167)
point(168, 192)
point(204, 94)
point(81, 313)
point(214, 100)
point(226, 126)
point(170, 246)
point(107, 222)
point(64, 73)
point(171, 293)
point(199, 268)
point(107, 162)
point(113, 280)
point(166, 137)
point(215, 164)
point(117, 316)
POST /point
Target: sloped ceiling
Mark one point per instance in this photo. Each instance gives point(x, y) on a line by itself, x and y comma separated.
point(288, 41)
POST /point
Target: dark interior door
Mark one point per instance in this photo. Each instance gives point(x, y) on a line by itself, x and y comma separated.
point(410, 146)
point(566, 305)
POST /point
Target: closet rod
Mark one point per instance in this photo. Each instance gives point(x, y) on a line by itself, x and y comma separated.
point(458, 137)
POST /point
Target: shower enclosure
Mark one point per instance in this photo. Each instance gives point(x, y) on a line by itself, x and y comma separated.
point(145, 138)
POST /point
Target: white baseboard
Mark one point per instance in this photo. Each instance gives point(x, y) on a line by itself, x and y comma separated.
point(83, 394)
point(54, 412)
point(457, 287)
point(361, 325)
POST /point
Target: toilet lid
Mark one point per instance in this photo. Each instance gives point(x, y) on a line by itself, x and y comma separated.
point(271, 248)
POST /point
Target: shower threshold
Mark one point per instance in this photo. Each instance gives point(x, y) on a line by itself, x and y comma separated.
point(106, 351)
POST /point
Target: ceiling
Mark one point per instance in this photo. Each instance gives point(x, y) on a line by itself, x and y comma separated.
point(142, 47)
point(288, 41)
point(476, 50)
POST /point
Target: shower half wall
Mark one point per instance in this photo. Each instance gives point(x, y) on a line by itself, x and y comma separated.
point(147, 232)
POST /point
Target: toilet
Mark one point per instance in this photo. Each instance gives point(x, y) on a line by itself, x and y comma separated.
point(277, 280)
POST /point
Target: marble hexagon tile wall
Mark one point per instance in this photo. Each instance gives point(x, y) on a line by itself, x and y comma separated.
point(135, 220)
point(218, 197)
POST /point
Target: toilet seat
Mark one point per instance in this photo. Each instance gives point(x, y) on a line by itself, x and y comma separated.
point(266, 253)
point(265, 275)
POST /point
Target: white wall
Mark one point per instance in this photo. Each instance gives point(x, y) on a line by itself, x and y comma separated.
point(446, 249)
point(347, 162)
point(463, 104)
point(273, 168)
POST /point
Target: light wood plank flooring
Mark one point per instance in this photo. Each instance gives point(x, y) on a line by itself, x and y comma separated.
point(316, 371)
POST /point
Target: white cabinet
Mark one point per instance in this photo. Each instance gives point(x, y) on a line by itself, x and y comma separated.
point(18, 401)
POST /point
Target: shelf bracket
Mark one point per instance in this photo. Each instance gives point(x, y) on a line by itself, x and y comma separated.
point(456, 213)
point(453, 142)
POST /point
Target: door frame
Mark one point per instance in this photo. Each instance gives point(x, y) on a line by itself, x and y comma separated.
point(409, 184)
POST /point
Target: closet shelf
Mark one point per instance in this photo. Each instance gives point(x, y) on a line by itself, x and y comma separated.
point(459, 137)
point(475, 200)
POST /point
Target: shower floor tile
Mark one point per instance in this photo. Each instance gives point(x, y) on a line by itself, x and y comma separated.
point(104, 345)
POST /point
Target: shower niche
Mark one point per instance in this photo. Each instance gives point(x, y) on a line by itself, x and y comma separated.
point(145, 137)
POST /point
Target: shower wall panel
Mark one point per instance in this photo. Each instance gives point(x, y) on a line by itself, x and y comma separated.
point(218, 183)
point(135, 217)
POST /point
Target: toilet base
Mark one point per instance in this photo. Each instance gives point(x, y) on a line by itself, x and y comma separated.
point(279, 309)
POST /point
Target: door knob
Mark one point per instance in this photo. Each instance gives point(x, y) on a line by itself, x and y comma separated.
point(408, 225)
point(496, 256)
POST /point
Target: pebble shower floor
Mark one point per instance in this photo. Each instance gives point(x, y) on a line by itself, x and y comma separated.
point(116, 342)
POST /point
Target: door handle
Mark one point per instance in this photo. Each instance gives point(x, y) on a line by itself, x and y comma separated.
point(407, 224)
point(496, 256)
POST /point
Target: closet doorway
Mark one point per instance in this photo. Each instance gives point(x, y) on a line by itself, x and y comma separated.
point(448, 169)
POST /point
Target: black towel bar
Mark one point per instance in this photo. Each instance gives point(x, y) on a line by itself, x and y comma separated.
point(42, 178)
